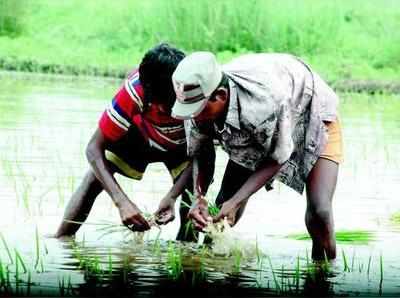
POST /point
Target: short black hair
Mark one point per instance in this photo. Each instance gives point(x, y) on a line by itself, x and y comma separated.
point(155, 73)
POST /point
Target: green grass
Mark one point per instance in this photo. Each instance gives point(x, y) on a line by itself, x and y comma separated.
point(350, 236)
point(11, 17)
point(174, 261)
point(395, 218)
point(341, 39)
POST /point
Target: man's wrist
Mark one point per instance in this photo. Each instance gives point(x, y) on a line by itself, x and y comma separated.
point(236, 201)
point(169, 198)
point(200, 201)
point(119, 200)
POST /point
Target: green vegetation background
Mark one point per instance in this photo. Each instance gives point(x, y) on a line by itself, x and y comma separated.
point(342, 39)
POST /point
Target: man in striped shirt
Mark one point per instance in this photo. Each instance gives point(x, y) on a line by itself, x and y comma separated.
point(135, 130)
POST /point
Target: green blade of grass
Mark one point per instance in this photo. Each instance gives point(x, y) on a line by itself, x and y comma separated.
point(277, 286)
point(18, 259)
point(345, 264)
point(297, 274)
point(381, 274)
point(37, 247)
point(3, 240)
point(369, 265)
point(2, 275)
point(351, 236)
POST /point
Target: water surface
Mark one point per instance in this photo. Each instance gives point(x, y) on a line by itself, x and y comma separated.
point(45, 124)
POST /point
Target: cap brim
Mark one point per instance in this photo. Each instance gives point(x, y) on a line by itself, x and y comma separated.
point(184, 111)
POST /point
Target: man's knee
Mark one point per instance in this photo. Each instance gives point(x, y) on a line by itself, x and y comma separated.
point(319, 214)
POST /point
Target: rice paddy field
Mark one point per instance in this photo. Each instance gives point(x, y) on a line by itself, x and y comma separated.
point(46, 122)
point(45, 125)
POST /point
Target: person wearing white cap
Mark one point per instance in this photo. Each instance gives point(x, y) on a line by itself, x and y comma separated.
point(276, 119)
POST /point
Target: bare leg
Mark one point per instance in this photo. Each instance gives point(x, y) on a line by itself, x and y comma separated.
point(320, 186)
point(79, 205)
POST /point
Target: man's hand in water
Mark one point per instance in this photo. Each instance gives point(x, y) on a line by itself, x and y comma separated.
point(166, 211)
point(132, 217)
point(199, 214)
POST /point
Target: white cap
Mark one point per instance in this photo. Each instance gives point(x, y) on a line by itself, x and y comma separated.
point(197, 76)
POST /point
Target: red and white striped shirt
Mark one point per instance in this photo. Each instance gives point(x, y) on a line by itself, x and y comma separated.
point(127, 108)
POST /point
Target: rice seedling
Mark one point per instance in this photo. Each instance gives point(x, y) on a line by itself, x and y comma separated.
point(369, 265)
point(258, 253)
point(259, 276)
point(200, 275)
point(110, 264)
point(297, 274)
point(8, 278)
point(41, 266)
point(174, 261)
point(40, 199)
point(202, 270)
point(213, 209)
point(26, 186)
point(381, 273)
point(37, 247)
point(190, 230)
point(395, 218)
point(237, 261)
point(346, 267)
point(28, 284)
point(2, 274)
point(277, 286)
point(7, 167)
point(70, 288)
point(351, 236)
point(19, 260)
point(107, 228)
point(89, 264)
point(61, 286)
point(125, 269)
point(353, 260)
point(3, 240)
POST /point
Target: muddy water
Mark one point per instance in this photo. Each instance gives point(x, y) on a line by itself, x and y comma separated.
point(45, 125)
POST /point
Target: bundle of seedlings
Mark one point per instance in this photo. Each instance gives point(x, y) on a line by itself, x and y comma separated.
point(224, 241)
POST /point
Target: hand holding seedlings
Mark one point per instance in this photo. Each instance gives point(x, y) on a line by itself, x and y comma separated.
point(228, 210)
point(166, 211)
point(199, 213)
point(132, 217)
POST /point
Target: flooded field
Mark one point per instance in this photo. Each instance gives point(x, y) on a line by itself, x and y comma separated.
point(45, 125)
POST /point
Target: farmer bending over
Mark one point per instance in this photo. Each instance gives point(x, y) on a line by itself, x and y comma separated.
point(135, 130)
point(276, 119)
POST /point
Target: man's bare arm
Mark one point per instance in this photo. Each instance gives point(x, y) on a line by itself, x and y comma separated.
point(257, 180)
point(129, 212)
point(203, 173)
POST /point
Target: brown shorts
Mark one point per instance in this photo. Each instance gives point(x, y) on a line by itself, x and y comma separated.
point(334, 147)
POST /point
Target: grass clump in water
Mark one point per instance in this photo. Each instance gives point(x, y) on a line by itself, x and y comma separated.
point(395, 218)
point(174, 261)
point(350, 236)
